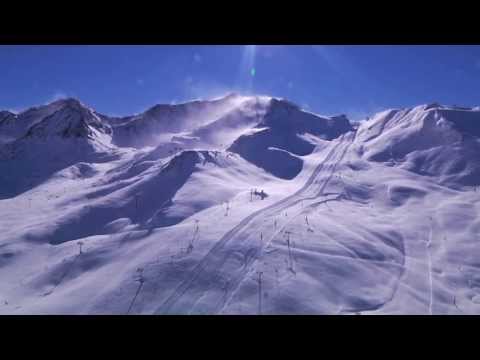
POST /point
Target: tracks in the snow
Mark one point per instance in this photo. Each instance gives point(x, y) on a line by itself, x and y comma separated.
point(63, 276)
point(205, 290)
point(429, 263)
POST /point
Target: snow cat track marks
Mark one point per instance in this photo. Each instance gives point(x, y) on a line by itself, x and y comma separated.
point(400, 281)
point(325, 183)
point(248, 265)
point(428, 244)
point(206, 262)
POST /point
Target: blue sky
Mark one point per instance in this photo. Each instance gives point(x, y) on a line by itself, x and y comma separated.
point(356, 80)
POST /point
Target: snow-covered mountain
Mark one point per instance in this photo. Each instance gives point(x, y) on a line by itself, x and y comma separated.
point(280, 138)
point(430, 139)
point(161, 120)
point(7, 119)
point(61, 134)
point(242, 204)
point(13, 126)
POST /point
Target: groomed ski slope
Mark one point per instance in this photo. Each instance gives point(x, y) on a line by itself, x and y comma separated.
point(347, 235)
point(230, 259)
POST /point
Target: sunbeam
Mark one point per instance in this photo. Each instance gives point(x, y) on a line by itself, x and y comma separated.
point(247, 71)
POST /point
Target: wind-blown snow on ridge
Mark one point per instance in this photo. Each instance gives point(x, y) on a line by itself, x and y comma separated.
point(240, 205)
point(277, 144)
point(145, 128)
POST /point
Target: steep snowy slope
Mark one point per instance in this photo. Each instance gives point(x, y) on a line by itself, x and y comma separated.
point(14, 126)
point(247, 114)
point(276, 143)
point(70, 134)
point(428, 139)
point(7, 121)
point(265, 131)
point(148, 127)
point(379, 220)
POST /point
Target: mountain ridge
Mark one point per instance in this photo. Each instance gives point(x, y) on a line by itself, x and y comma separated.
point(260, 207)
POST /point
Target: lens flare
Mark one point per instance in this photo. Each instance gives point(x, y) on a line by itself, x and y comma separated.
point(247, 69)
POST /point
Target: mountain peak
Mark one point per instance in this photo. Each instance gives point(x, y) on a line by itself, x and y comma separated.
point(5, 113)
point(283, 103)
point(67, 101)
point(231, 95)
point(70, 103)
point(433, 105)
point(71, 119)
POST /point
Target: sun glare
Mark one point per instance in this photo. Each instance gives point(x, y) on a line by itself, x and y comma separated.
point(247, 71)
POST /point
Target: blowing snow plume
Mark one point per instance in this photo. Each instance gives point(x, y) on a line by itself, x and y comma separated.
point(163, 121)
point(275, 143)
point(239, 205)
